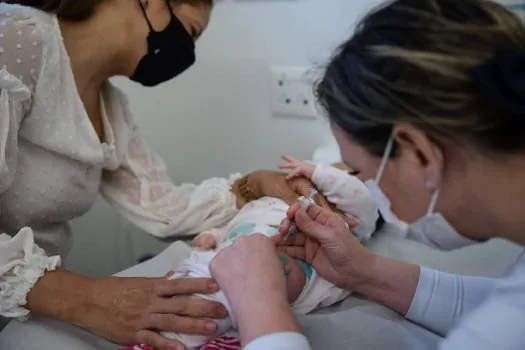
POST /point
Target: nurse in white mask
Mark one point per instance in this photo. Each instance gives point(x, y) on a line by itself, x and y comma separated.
point(427, 103)
point(432, 229)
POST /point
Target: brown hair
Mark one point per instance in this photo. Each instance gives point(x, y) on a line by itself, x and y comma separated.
point(410, 61)
point(78, 10)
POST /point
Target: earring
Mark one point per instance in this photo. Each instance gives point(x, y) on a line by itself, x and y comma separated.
point(430, 184)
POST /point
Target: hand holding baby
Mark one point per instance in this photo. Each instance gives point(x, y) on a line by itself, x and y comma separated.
point(252, 278)
point(251, 263)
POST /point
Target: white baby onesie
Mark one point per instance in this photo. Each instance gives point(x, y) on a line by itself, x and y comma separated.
point(316, 293)
point(264, 216)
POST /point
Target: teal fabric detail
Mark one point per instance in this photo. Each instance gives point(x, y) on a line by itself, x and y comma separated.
point(284, 260)
point(307, 268)
point(272, 232)
point(242, 230)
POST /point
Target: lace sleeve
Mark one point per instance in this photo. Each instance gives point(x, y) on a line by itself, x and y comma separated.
point(22, 262)
point(143, 193)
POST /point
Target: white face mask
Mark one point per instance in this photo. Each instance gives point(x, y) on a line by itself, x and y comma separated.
point(432, 229)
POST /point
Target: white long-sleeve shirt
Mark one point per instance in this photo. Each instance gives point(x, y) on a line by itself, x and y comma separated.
point(53, 165)
point(473, 313)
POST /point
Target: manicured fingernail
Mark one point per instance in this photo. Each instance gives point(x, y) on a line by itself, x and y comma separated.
point(210, 326)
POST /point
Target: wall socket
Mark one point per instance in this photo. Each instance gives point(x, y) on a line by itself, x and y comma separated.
point(292, 93)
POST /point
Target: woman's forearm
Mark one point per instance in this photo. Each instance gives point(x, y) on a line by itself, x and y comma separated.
point(390, 282)
point(260, 319)
point(62, 295)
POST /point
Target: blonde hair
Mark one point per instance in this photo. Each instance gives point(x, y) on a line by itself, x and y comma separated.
point(411, 61)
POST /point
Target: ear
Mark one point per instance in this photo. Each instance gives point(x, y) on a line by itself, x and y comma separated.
point(415, 146)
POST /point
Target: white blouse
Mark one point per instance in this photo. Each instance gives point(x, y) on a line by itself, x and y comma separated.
point(52, 164)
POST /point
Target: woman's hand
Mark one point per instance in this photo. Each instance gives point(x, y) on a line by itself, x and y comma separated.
point(334, 252)
point(135, 310)
point(249, 267)
point(252, 278)
point(328, 244)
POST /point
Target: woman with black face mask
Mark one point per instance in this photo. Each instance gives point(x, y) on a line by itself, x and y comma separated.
point(67, 133)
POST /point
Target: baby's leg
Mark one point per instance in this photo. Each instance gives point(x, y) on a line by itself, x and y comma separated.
point(197, 266)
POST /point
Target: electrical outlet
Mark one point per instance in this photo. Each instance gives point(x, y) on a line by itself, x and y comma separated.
point(292, 93)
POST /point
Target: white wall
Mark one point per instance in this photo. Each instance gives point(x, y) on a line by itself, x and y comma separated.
point(216, 118)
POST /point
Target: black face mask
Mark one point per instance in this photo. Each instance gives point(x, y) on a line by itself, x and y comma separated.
point(170, 52)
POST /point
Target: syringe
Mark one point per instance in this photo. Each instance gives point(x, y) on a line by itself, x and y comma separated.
point(305, 202)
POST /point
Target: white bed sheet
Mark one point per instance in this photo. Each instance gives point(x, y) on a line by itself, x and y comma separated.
point(356, 323)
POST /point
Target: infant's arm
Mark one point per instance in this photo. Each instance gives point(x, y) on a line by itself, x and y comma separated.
point(339, 187)
point(349, 194)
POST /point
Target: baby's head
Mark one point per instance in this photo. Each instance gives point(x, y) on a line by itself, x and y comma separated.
point(297, 273)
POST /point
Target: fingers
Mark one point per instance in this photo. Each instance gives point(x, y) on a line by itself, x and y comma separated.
point(190, 307)
point(320, 214)
point(180, 324)
point(311, 248)
point(297, 239)
point(168, 288)
point(294, 252)
point(313, 223)
point(289, 159)
point(287, 166)
point(157, 341)
point(297, 172)
point(293, 210)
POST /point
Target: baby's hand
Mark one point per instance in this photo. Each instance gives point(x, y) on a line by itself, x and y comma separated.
point(297, 168)
point(205, 240)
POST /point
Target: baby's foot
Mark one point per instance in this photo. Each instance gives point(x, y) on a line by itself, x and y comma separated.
point(205, 240)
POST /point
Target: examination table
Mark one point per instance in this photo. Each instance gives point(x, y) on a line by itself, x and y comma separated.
point(356, 323)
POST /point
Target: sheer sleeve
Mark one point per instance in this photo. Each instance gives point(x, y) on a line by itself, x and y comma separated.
point(22, 262)
point(142, 191)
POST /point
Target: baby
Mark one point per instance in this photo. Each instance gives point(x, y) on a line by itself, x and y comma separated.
point(306, 289)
